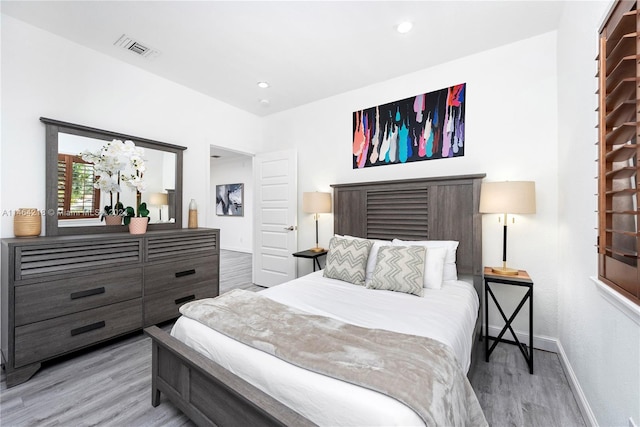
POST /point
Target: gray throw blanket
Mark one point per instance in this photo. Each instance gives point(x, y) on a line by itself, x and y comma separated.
point(420, 372)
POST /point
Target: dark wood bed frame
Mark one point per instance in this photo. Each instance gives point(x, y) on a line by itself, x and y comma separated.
point(444, 208)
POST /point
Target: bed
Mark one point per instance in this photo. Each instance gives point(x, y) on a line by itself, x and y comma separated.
point(246, 386)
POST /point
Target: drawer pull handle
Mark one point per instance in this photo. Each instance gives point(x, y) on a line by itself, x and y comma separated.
point(87, 328)
point(87, 293)
point(185, 273)
point(185, 299)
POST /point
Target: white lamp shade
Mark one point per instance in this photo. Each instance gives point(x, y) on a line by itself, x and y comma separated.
point(316, 202)
point(509, 197)
point(158, 199)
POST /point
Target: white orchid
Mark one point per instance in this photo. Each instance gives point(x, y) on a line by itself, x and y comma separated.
point(134, 182)
point(117, 160)
point(107, 183)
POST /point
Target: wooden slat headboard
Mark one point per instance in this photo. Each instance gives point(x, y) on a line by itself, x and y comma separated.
point(443, 208)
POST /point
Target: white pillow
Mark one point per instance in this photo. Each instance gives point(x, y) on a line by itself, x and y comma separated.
point(434, 267)
point(373, 256)
point(450, 269)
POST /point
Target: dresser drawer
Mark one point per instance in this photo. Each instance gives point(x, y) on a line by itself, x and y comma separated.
point(63, 256)
point(163, 306)
point(55, 298)
point(43, 340)
point(159, 277)
point(189, 243)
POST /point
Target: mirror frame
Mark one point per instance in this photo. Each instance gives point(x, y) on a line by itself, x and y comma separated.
point(53, 128)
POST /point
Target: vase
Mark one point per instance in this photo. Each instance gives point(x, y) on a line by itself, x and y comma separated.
point(113, 219)
point(193, 214)
point(138, 225)
point(27, 222)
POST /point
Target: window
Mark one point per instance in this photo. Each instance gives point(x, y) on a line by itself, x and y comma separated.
point(618, 150)
point(77, 198)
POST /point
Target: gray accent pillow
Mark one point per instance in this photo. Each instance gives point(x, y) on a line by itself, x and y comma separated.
point(347, 259)
point(400, 269)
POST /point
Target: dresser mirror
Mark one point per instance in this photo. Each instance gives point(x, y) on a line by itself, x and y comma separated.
point(74, 206)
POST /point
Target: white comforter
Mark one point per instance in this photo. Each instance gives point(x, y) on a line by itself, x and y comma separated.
point(447, 315)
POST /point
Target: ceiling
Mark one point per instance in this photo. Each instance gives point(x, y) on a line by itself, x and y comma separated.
point(306, 50)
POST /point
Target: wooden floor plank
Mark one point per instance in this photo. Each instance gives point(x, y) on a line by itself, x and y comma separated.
point(110, 385)
point(509, 395)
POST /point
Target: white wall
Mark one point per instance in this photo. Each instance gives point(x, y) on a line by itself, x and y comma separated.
point(236, 232)
point(601, 343)
point(45, 75)
point(511, 129)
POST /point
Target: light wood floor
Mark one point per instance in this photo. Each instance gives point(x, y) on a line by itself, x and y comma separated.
point(510, 396)
point(235, 271)
point(111, 385)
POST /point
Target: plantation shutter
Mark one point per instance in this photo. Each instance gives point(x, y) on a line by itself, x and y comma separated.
point(77, 198)
point(618, 150)
point(63, 186)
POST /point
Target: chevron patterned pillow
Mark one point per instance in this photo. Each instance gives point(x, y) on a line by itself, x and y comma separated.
point(450, 269)
point(400, 269)
point(347, 259)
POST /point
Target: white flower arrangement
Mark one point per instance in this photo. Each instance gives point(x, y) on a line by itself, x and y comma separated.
point(117, 161)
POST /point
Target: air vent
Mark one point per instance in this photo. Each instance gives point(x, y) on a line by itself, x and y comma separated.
point(136, 47)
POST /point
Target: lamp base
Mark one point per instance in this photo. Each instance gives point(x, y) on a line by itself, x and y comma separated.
point(316, 249)
point(505, 271)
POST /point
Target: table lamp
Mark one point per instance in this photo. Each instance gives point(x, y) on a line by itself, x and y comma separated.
point(159, 199)
point(316, 203)
point(509, 197)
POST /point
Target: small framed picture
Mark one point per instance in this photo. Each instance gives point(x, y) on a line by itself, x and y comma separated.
point(230, 199)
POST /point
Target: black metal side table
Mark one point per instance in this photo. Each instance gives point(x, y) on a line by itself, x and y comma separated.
point(312, 255)
point(521, 279)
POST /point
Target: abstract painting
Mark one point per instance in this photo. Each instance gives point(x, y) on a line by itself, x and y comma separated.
point(229, 199)
point(424, 127)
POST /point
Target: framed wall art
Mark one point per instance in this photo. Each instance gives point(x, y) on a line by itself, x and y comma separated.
point(424, 127)
point(230, 200)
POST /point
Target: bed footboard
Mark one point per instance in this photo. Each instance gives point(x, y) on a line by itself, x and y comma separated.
point(206, 392)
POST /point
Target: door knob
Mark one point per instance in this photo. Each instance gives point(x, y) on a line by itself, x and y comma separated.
point(290, 228)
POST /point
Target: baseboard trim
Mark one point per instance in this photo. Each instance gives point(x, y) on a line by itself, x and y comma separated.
point(243, 250)
point(583, 404)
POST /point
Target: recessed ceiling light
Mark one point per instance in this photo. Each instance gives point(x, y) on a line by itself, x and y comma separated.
point(404, 27)
point(264, 102)
point(263, 85)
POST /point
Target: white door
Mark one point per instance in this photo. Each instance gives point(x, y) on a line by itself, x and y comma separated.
point(275, 213)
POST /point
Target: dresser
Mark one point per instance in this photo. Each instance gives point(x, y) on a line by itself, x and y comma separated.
point(64, 293)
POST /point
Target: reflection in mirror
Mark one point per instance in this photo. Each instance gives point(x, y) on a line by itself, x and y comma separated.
point(74, 205)
point(80, 204)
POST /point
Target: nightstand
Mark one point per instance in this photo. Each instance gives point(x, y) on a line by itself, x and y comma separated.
point(521, 279)
point(311, 255)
